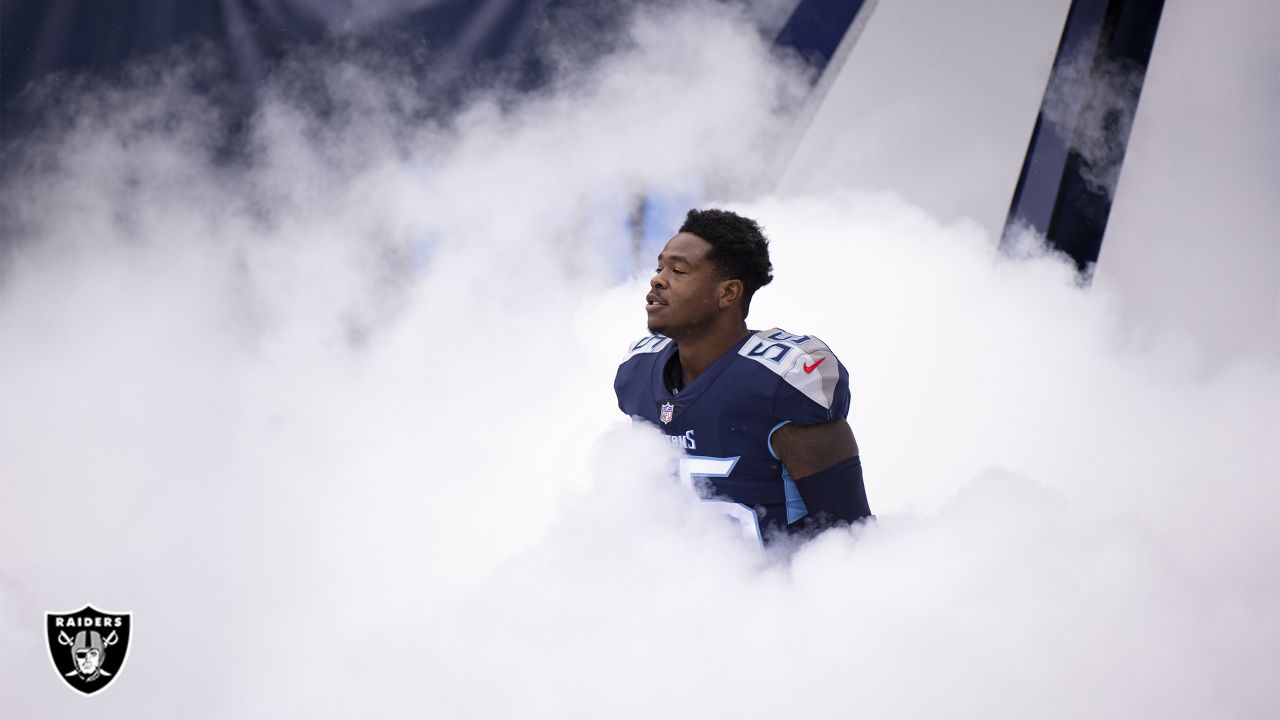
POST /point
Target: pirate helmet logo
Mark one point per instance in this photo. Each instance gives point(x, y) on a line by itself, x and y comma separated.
point(88, 647)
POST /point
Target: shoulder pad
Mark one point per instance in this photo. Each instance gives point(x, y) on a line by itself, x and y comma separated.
point(803, 361)
point(648, 344)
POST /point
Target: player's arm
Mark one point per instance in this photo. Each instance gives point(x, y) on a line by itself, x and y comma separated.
point(823, 461)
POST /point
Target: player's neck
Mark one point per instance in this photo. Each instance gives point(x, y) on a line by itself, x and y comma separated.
point(699, 351)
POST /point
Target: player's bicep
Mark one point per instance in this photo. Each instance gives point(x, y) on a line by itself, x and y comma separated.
point(807, 449)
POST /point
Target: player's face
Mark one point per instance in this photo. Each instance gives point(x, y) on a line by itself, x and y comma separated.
point(684, 289)
point(87, 660)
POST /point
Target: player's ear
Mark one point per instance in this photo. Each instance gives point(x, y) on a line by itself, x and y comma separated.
point(730, 292)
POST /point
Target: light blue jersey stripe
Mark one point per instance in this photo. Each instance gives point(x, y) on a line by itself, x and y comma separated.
point(768, 442)
point(796, 508)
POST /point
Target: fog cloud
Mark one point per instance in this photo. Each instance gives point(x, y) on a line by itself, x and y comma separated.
point(1091, 104)
point(335, 422)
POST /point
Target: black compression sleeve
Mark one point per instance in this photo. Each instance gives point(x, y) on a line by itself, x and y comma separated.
point(834, 496)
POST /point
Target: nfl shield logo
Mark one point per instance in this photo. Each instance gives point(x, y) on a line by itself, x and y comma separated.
point(666, 411)
point(88, 647)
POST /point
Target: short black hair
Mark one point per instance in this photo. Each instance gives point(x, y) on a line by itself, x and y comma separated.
point(739, 248)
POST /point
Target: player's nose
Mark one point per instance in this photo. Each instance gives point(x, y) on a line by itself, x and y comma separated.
point(657, 281)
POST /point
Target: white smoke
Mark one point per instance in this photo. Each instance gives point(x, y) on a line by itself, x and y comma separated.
point(339, 430)
point(1091, 106)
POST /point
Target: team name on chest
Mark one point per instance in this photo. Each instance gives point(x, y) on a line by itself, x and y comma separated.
point(684, 441)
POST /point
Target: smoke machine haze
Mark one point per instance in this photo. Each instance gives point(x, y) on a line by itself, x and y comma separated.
point(334, 420)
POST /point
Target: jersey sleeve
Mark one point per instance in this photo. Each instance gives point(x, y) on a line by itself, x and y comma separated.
point(812, 387)
point(815, 389)
point(632, 384)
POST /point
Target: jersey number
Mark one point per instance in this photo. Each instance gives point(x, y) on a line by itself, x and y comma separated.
point(693, 467)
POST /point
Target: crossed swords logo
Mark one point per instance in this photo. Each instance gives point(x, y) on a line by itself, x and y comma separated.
point(88, 647)
point(87, 652)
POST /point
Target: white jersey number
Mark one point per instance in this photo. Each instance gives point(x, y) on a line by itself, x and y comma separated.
point(700, 466)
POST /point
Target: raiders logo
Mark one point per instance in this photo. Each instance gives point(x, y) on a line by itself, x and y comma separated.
point(88, 647)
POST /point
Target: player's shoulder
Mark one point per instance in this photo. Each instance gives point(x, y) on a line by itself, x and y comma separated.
point(802, 362)
point(777, 348)
point(646, 345)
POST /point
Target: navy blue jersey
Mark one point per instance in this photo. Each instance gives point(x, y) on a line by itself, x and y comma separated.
point(724, 420)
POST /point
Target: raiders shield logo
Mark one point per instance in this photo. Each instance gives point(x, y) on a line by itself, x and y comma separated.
point(88, 647)
point(665, 412)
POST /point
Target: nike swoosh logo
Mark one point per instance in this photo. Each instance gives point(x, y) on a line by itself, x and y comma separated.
point(810, 368)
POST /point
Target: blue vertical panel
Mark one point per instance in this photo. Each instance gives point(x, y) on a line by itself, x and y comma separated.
point(816, 28)
point(1077, 148)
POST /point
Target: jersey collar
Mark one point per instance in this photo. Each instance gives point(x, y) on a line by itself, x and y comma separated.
point(700, 383)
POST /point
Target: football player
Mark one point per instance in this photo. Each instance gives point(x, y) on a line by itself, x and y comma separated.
point(760, 414)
